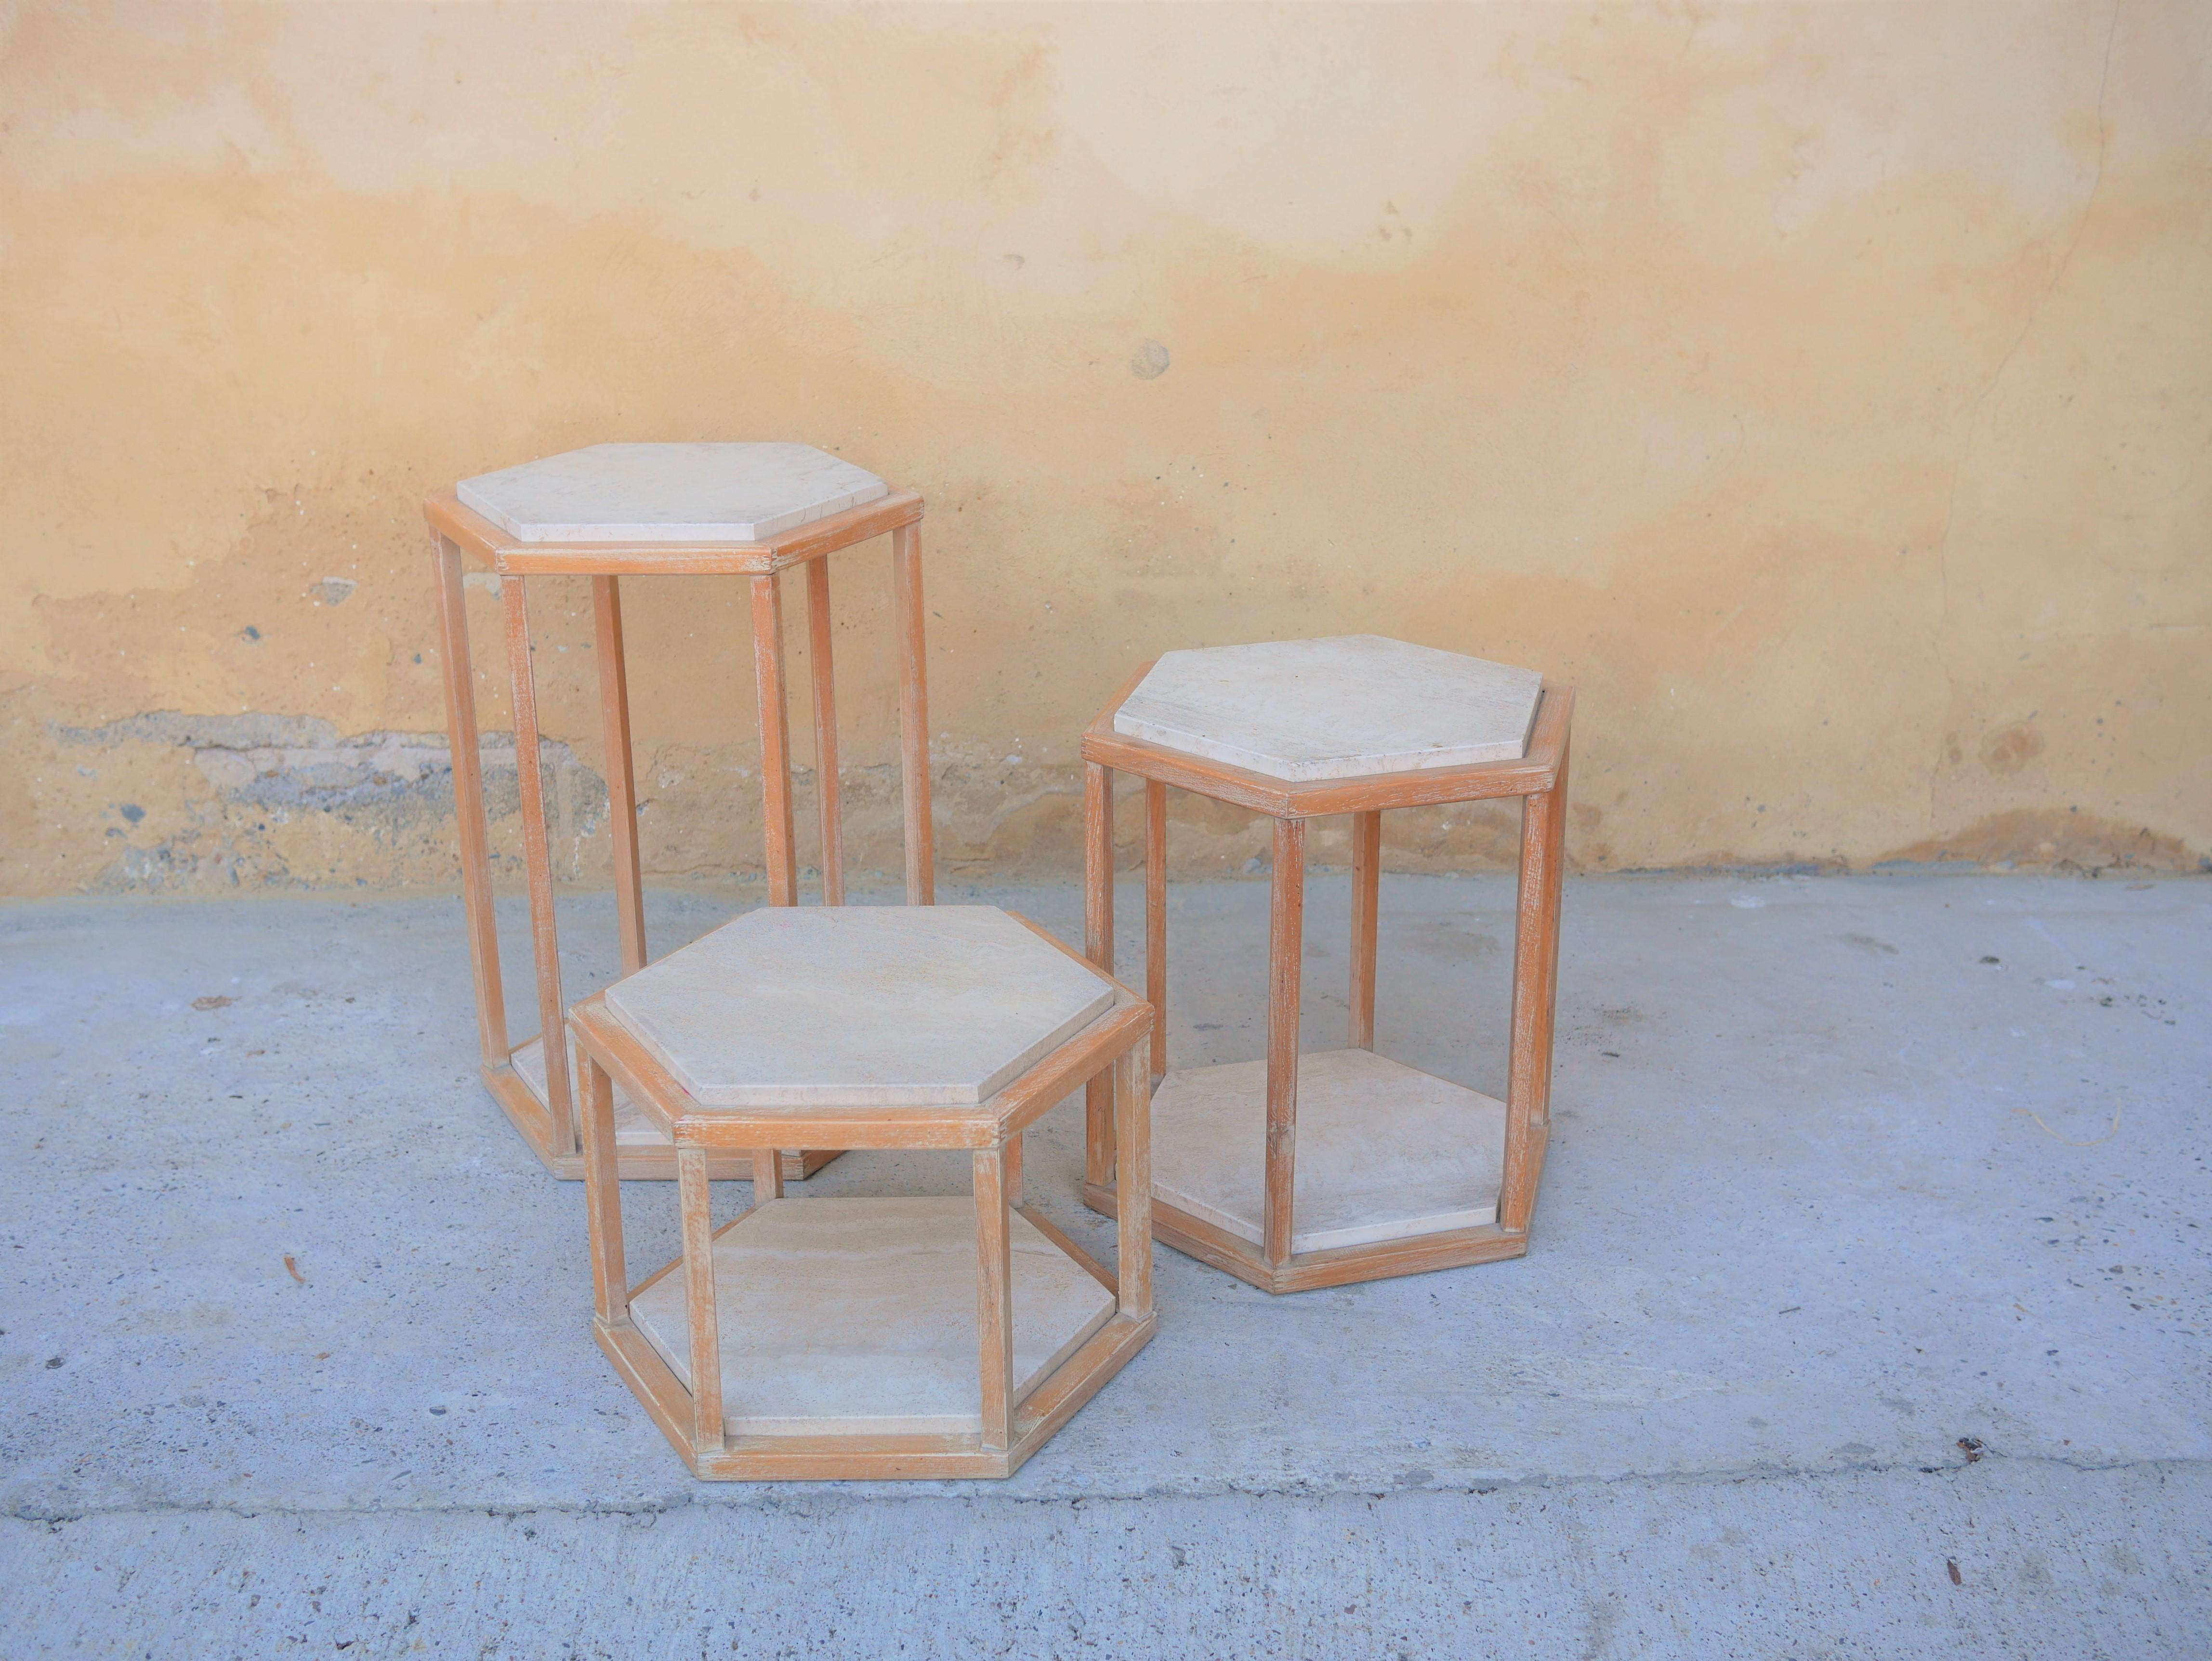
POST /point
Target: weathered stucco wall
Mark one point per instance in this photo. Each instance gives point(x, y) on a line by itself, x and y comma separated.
point(1825, 390)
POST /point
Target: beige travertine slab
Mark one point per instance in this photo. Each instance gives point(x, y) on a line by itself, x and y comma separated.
point(732, 493)
point(632, 1128)
point(858, 1317)
point(1342, 707)
point(1383, 1151)
point(858, 1006)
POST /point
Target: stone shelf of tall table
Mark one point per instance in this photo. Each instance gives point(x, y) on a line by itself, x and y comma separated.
point(936, 1336)
point(1295, 1172)
point(617, 511)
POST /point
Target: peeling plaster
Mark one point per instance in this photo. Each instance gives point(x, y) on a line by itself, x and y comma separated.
point(1824, 391)
point(272, 773)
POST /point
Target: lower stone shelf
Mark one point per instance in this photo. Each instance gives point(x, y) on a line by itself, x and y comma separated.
point(632, 1128)
point(1384, 1151)
point(858, 1316)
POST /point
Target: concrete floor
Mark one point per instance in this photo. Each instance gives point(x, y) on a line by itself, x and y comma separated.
point(1866, 1314)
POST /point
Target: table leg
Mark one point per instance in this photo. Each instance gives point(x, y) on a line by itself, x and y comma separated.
point(914, 715)
point(775, 742)
point(781, 841)
point(698, 1222)
point(537, 858)
point(1098, 946)
point(994, 1297)
point(1156, 919)
point(1535, 989)
point(603, 1194)
point(1285, 945)
point(828, 798)
point(621, 774)
point(470, 822)
point(1366, 886)
point(768, 1175)
point(1132, 1225)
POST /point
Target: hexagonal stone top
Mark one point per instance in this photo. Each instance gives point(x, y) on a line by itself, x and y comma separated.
point(858, 1006)
point(1337, 708)
point(727, 493)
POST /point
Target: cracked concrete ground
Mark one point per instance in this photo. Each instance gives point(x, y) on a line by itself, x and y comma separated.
point(1866, 1314)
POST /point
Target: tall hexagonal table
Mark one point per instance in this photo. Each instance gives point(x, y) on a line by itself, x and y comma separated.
point(935, 1337)
point(628, 510)
point(1298, 1171)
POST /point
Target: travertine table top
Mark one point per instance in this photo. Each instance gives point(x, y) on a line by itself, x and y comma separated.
point(725, 493)
point(1343, 707)
point(858, 1006)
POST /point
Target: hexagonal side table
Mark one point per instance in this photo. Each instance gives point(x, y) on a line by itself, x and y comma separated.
point(944, 1336)
point(622, 510)
point(1300, 1172)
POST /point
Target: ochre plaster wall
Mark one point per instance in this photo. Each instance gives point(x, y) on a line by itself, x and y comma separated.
point(1824, 390)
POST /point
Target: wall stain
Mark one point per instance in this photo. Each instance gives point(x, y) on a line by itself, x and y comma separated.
point(1609, 351)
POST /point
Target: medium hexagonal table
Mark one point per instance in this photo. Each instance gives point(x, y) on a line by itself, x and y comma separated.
point(932, 1338)
point(1298, 1171)
point(628, 510)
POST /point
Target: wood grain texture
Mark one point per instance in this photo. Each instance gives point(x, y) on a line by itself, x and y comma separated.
point(1052, 1231)
point(889, 516)
point(782, 851)
point(768, 1175)
point(1366, 895)
point(872, 1458)
point(1286, 908)
point(524, 1110)
point(603, 1196)
point(1030, 1098)
point(1133, 1134)
point(621, 775)
point(537, 859)
point(693, 1201)
point(471, 825)
point(1311, 1271)
point(1098, 946)
point(655, 1162)
point(1535, 989)
point(914, 714)
point(651, 1380)
point(1156, 919)
point(994, 1297)
point(829, 791)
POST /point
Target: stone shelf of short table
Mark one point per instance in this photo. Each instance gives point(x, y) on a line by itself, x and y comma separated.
point(871, 1337)
point(1297, 1171)
point(615, 511)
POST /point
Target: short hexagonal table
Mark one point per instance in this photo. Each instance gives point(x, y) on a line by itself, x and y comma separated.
point(1299, 1171)
point(850, 1338)
point(623, 510)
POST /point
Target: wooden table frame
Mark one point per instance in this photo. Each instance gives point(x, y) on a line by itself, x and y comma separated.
point(1539, 778)
point(1108, 1054)
point(550, 1125)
